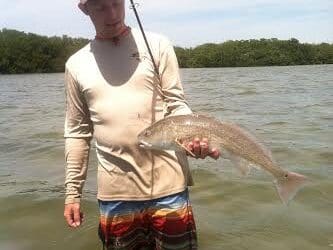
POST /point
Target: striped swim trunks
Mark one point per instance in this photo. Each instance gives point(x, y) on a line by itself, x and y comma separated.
point(161, 224)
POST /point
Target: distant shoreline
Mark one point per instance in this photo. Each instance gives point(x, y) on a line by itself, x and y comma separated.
point(33, 73)
point(22, 52)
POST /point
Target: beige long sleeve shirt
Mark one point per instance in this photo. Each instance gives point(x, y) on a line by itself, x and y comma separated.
point(112, 94)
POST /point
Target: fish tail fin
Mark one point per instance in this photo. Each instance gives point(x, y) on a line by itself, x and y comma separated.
point(289, 185)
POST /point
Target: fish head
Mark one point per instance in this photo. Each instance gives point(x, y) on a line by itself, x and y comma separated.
point(157, 136)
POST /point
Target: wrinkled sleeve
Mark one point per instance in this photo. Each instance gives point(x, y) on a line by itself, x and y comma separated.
point(172, 89)
point(78, 133)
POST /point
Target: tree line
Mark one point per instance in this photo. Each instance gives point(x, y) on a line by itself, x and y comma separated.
point(263, 52)
point(22, 52)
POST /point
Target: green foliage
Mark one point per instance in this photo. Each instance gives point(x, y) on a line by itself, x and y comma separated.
point(22, 52)
point(263, 52)
point(30, 53)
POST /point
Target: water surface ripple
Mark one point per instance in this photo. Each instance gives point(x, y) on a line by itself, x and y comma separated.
point(289, 108)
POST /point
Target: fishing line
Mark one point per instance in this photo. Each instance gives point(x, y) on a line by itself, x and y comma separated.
point(133, 7)
point(155, 86)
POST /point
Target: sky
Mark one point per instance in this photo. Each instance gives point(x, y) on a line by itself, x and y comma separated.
point(187, 23)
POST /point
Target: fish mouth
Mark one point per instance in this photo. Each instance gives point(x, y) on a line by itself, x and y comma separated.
point(144, 144)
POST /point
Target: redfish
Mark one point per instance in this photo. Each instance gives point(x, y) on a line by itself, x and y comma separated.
point(234, 142)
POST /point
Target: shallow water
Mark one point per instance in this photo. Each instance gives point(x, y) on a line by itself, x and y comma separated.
point(289, 108)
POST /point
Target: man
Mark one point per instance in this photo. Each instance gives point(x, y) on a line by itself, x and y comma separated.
point(112, 93)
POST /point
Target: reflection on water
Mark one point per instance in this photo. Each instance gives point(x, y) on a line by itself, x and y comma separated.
point(289, 108)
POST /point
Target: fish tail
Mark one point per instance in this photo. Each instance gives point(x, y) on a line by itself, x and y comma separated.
point(289, 185)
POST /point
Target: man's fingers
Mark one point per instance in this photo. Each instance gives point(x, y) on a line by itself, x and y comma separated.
point(200, 148)
point(69, 220)
point(77, 217)
point(204, 149)
point(214, 153)
point(196, 147)
point(68, 214)
point(189, 147)
point(72, 215)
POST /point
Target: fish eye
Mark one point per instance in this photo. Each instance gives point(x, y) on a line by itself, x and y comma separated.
point(147, 133)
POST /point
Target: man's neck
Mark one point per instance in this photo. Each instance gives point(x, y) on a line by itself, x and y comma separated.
point(115, 39)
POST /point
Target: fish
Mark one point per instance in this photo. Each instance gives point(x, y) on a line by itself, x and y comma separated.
point(234, 142)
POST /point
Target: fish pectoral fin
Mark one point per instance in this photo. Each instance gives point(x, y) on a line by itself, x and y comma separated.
point(242, 166)
point(183, 147)
point(251, 165)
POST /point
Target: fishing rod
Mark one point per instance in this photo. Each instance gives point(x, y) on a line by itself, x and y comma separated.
point(144, 37)
point(189, 229)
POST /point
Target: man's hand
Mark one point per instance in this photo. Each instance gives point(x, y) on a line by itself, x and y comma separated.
point(73, 215)
point(201, 149)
